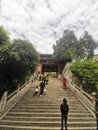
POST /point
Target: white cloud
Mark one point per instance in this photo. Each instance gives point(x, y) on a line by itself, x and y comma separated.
point(43, 21)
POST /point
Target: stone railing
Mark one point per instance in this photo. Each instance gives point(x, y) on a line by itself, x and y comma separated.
point(8, 101)
point(83, 96)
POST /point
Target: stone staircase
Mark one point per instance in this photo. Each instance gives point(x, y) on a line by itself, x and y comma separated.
point(43, 113)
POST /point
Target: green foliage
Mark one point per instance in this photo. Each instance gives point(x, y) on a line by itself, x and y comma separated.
point(69, 48)
point(4, 38)
point(87, 45)
point(4, 44)
point(23, 51)
point(18, 60)
point(87, 73)
point(4, 49)
point(22, 60)
point(65, 48)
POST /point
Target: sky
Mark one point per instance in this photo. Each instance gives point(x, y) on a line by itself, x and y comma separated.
point(42, 22)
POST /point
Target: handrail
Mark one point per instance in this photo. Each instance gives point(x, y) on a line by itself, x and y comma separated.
point(7, 102)
point(18, 89)
point(83, 96)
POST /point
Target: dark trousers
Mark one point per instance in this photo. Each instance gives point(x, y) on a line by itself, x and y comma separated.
point(41, 90)
point(63, 121)
point(35, 94)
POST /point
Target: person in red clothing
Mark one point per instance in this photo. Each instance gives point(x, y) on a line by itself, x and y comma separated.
point(64, 83)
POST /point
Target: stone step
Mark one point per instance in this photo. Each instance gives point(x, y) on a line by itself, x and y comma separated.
point(46, 110)
point(31, 98)
point(47, 114)
point(47, 123)
point(49, 108)
point(49, 103)
point(78, 106)
point(30, 95)
point(19, 118)
point(12, 127)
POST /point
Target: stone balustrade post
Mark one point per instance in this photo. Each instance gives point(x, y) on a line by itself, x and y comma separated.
point(3, 101)
point(18, 91)
point(81, 90)
point(73, 86)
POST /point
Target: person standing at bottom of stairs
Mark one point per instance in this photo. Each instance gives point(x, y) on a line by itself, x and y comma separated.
point(95, 97)
point(64, 108)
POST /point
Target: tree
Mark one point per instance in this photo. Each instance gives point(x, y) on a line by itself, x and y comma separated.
point(86, 72)
point(87, 45)
point(4, 49)
point(69, 48)
point(65, 48)
point(23, 58)
point(20, 61)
